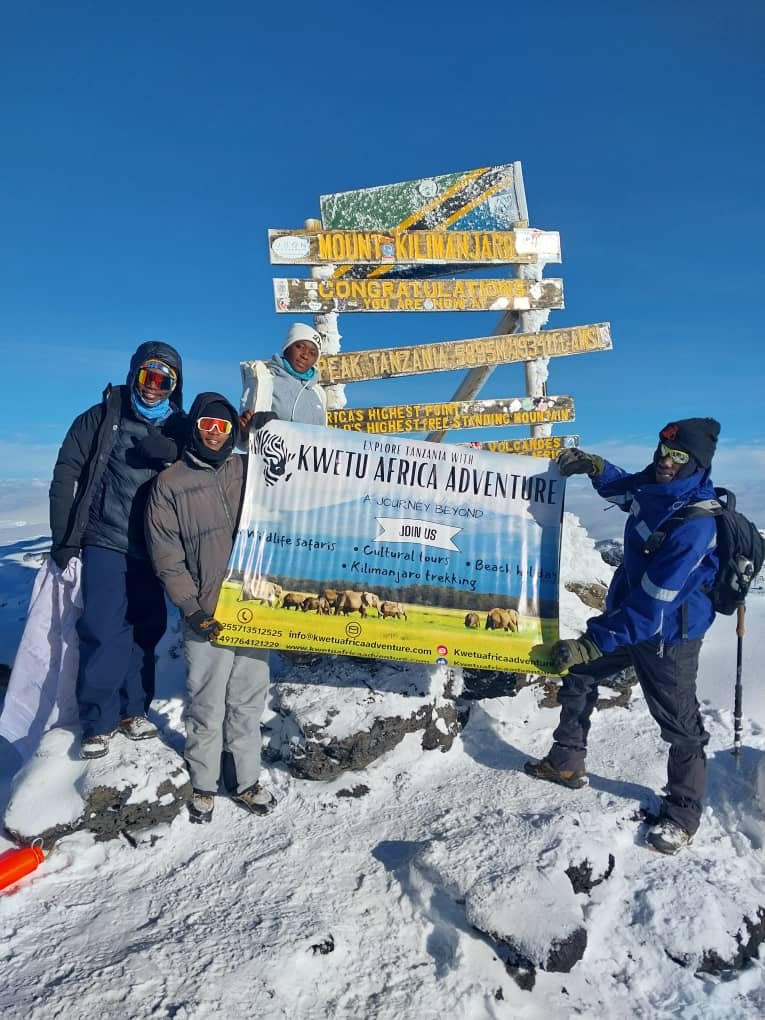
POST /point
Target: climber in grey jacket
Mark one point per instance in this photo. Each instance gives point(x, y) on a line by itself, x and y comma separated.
point(191, 520)
point(288, 384)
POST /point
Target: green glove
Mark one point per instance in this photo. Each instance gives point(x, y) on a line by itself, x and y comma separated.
point(565, 654)
point(577, 462)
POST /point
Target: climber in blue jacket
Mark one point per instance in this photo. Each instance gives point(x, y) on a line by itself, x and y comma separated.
point(656, 614)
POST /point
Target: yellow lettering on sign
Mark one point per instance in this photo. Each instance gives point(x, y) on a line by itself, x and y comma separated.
point(404, 247)
point(438, 242)
point(325, 247)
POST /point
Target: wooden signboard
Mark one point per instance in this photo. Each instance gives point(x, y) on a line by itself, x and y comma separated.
point(534, 446)
point(489, 198)
point(465, 414)
point(425, 247)
point(504, 349)
point(309, 295)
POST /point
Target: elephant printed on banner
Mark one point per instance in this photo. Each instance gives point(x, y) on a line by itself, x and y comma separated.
point(294, 600)
point(356, 602)
point(258, 589)
point(472, 621)
point(502, 619)
point(395, 610)
point(316, 604)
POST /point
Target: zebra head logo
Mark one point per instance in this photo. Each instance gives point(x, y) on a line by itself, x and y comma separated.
point(275, 457)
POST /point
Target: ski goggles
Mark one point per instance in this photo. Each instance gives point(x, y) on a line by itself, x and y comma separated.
point(677, 456)
point(222, 425)
point(156, 379)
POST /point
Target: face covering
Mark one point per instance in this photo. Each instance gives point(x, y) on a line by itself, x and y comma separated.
point(151, 412)
point(303, 376)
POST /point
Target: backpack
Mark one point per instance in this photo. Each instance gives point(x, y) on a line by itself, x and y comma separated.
point(740, 548)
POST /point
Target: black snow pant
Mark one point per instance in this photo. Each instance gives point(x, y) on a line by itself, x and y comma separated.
point(668, 682)
point(123, 618)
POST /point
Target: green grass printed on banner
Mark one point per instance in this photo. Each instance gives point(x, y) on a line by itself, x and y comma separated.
point(416, 639)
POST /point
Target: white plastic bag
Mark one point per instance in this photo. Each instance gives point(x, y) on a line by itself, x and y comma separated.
point(42, 690)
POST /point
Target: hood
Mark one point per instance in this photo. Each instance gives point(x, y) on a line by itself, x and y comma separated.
point(156, 349)
point(194, 445)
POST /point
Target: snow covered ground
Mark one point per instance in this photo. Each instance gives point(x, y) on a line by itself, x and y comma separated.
point(363, 907)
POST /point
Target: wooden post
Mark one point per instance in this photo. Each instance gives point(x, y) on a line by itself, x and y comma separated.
point(513, 322)
point(326, 324)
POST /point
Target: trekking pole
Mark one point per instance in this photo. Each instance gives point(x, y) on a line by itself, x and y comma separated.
point(740, 612)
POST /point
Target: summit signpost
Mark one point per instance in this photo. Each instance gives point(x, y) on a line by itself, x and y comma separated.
point(401, 248)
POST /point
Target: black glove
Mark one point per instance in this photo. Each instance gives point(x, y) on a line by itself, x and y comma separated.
point(204, 625)
point(157, 447)
point(261, 418)
point(63, 554)
point(565, 654)
point(577, 462)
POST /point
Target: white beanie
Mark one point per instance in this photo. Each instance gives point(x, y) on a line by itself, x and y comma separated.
point(299, 331)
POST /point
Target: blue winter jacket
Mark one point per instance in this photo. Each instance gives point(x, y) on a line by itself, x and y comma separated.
point(658, 596)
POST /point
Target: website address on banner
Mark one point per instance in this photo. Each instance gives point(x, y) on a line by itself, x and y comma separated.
point(329, 639)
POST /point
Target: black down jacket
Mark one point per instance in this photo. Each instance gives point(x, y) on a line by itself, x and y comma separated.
point(101, 481)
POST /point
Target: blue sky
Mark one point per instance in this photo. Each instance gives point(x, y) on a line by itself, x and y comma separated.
point(146, 154)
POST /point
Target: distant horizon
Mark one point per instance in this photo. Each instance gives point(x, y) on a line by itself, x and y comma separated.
point(740, 468)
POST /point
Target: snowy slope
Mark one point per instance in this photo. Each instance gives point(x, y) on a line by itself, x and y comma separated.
point(364, 907)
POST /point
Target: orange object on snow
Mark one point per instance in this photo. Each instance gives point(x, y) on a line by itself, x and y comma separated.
point(15, 864)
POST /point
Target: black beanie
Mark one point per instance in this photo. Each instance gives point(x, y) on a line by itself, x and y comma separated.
point(220, 409)
point(697, 436)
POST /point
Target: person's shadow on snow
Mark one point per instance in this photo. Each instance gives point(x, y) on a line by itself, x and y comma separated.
point(488, 748)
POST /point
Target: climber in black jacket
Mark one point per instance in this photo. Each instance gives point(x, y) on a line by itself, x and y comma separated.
point(101, 481)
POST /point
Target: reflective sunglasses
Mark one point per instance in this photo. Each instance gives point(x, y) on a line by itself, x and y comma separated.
point(157, 380)
point(677, 456)
point(221, 425)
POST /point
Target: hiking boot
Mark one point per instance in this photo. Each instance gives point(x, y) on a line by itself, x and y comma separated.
point(668, 837)
point(256, 799)
point(574, 780)
point(138, 727)
point(96, 745)
point(201, 807)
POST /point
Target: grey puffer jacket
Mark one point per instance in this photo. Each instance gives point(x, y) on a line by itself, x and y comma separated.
point(294, 399)
point(191, 521)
